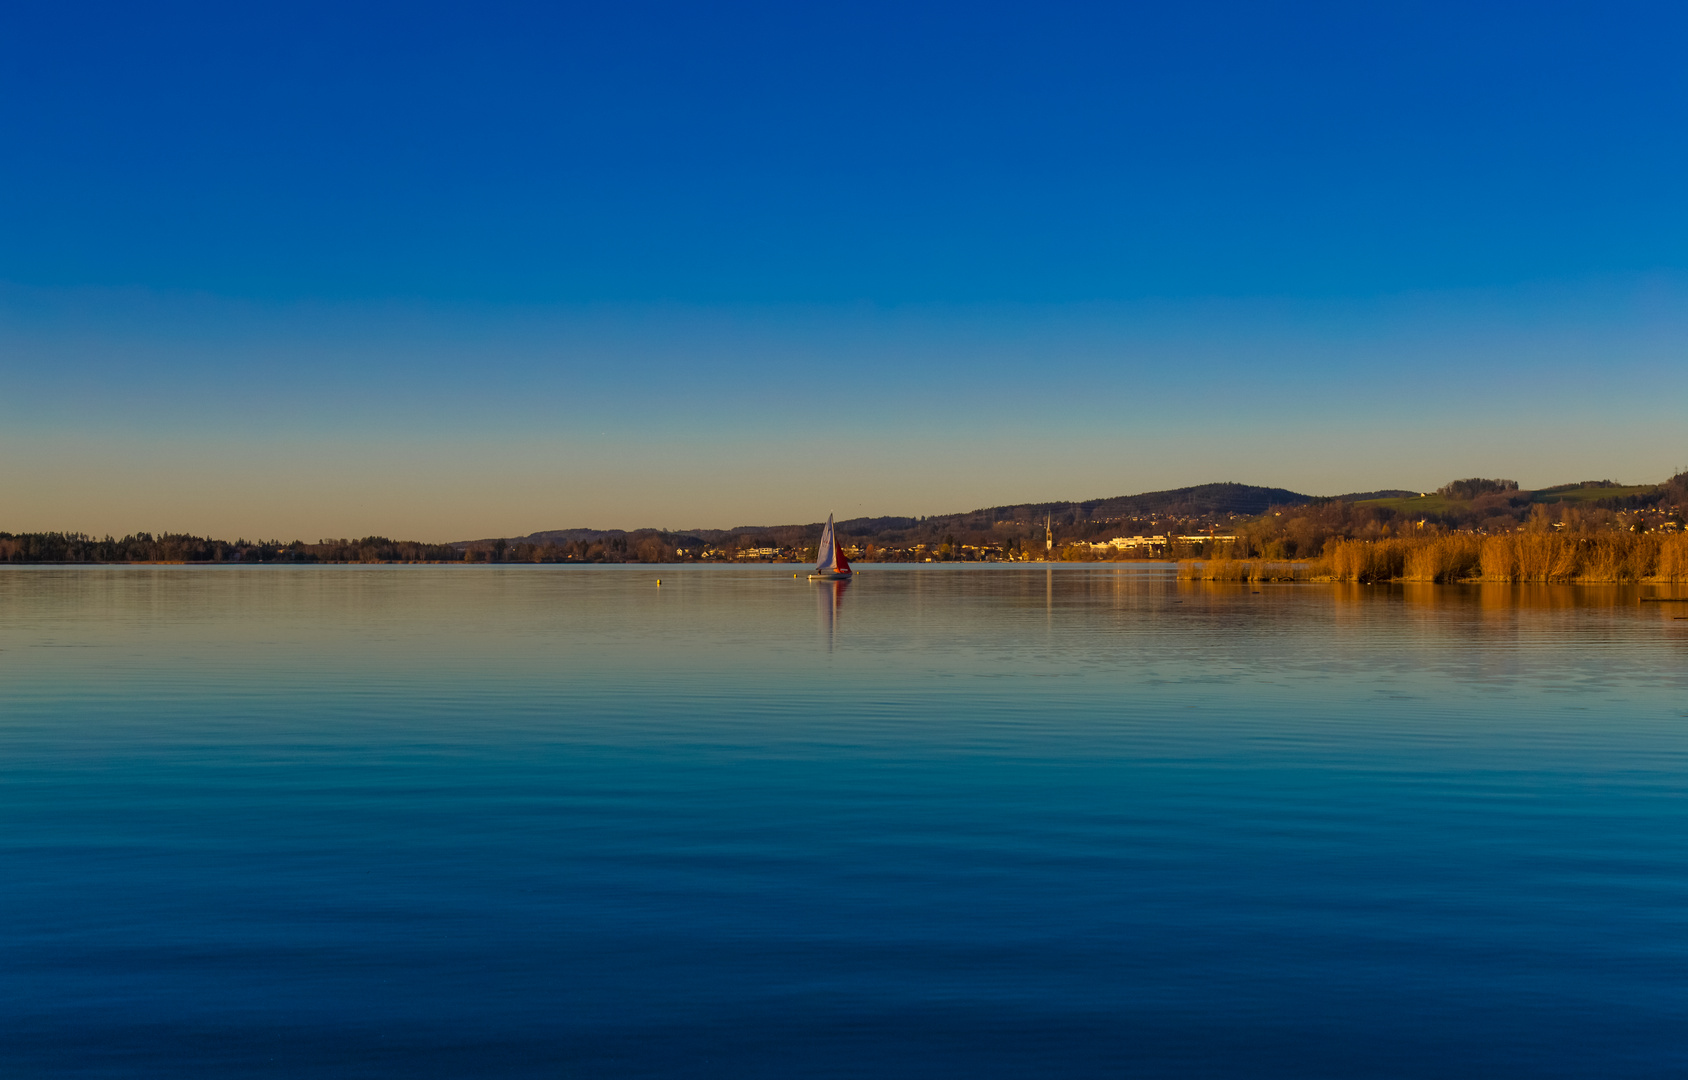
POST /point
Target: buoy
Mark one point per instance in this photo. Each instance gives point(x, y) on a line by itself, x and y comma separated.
point(659, 581)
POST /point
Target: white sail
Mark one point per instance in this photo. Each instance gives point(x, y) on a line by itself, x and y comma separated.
point(827, 553)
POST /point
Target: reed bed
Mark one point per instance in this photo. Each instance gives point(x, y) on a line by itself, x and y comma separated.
point(1365, 560)
point(1451, 557)
point(1594, 558)
point(1245, 570)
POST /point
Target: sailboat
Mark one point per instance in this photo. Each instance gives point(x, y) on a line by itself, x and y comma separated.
point(831, 565)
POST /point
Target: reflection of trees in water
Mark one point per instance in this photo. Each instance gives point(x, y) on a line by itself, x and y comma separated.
point(1500, 596)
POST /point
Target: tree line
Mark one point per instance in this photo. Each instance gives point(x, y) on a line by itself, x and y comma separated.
point(143, 547)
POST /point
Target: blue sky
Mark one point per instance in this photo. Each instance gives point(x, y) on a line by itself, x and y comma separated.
point(441, 272)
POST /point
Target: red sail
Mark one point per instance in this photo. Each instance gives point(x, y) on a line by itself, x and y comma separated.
point(839, 562)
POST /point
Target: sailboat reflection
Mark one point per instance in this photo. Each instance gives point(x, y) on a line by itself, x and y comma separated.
point(830, 596)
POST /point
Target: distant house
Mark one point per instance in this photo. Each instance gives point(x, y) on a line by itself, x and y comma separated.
point(1153, 544)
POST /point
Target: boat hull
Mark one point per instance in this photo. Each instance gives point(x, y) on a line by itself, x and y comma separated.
point(832, 575)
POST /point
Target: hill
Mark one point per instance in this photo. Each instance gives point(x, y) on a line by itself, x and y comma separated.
point(1242, 520)
point(1203, 500)
point(1265, 518)
point(1201, 506)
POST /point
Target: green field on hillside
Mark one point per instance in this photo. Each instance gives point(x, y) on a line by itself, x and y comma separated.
point(1421, 504)
point(1578, 493)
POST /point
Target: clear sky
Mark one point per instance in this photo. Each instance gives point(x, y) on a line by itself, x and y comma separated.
point(450, 271)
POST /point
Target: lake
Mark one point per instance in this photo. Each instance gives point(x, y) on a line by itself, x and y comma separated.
point(968, 821)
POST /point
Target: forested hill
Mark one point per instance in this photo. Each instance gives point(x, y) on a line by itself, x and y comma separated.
point(1205, 503)
point(1204, 500)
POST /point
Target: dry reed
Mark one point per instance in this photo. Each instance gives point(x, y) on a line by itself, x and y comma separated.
point(1531, 557)
point(1366, 560)
point(1449, 557)
point(1243, 570)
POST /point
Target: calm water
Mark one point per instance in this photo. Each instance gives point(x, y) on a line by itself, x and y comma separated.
point(558, 821)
